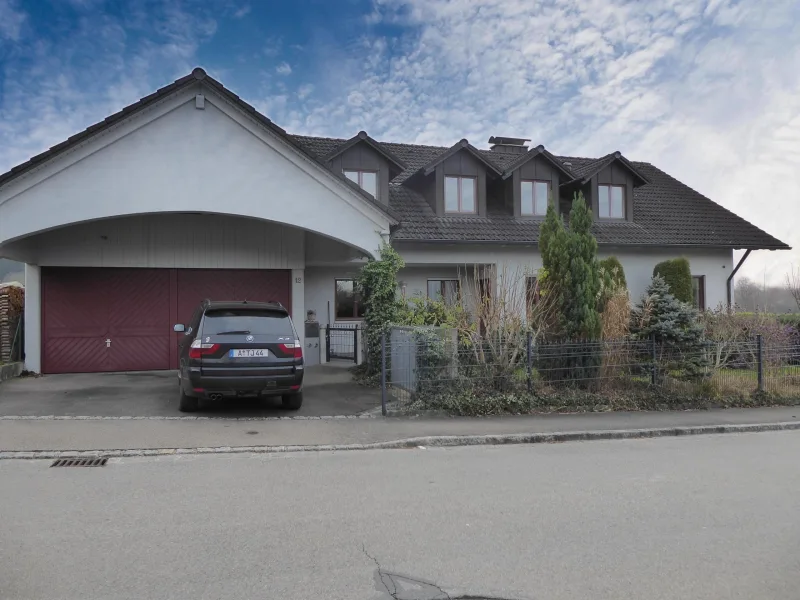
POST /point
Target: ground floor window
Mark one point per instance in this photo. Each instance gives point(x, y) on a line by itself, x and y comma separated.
point(348, 301)
point(448, 290)
point(699, 291)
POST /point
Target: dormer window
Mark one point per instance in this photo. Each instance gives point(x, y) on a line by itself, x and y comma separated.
point(460, 194)
point(611, 201)
point(366, 180)
point(534, 198)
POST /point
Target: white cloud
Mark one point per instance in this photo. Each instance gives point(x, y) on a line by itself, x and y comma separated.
point(242, 11)
point(708, 90)
point(304, 91)
point(283, 69)
point(56, 89)
point(11, 20)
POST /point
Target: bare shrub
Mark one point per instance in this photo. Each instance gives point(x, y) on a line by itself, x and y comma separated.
point(615, 320)
point(494, 323)
point(732, 337)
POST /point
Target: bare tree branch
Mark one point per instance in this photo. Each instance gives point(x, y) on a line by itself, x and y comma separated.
point(793, 284)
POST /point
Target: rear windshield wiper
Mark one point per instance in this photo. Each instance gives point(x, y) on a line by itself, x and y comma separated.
point(242, 332)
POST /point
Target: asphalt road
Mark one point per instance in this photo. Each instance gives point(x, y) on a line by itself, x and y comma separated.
point(703, 517)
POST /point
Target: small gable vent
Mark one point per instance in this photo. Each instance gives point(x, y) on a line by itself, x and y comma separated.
point(508, 145)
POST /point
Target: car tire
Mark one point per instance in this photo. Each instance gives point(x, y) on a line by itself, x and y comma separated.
point(187, 403)
point(292, 401)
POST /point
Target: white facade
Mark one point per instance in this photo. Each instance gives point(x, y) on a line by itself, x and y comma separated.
point(434, 261)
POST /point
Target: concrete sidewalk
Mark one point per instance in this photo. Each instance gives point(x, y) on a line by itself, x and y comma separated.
point(121, 434)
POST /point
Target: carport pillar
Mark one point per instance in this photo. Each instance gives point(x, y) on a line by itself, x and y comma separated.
point(299, 304)
point(33, 318)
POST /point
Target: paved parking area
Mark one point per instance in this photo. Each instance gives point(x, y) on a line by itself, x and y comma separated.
point(329, 390)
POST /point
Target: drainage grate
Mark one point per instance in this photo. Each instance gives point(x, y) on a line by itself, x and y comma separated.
point(80, 462)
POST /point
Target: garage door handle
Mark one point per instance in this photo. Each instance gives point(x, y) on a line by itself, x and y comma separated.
point(108, 343)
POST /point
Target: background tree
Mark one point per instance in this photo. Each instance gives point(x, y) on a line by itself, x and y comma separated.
point(793, 284)
point(746, 294)
point(677, 274)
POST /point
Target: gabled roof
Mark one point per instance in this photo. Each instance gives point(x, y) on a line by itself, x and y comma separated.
point(590, 169)
point(196, 75)
point(362, 137)
point(531, 154)
point(458, 147)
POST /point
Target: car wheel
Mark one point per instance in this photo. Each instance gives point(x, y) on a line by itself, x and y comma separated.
point(187, 403)
point(292, 401)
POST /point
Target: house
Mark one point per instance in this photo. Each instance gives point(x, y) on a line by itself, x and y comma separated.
point(192, 193)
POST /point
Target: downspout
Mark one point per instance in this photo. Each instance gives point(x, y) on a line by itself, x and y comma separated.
point(730, 279)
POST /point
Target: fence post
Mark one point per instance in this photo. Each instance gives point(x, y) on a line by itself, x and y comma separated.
point(355, 344)
point(328, 343)
point(653, 373)
point(383, 373)
point(760, 346)
point(529, 347)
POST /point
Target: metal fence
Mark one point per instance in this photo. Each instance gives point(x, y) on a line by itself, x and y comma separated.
point(420, 361)
point(17, 329)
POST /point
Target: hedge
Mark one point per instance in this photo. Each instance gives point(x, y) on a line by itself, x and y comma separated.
point(678, 276)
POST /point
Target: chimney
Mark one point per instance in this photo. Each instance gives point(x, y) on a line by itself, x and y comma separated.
point(508, 145)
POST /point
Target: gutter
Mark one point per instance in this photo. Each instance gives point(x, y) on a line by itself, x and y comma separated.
point(730, 278)
point(601, 244)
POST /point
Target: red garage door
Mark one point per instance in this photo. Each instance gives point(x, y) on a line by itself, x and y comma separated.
point(121, 319)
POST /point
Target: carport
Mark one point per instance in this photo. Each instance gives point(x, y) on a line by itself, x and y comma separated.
point(187, 194)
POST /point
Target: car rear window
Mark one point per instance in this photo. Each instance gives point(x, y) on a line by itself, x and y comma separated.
point(218, 321)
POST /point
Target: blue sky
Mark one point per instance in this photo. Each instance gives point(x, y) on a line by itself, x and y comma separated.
point(708, 90)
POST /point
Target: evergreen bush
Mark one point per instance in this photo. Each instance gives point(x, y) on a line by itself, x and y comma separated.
point(677, 274)
point(676, 328)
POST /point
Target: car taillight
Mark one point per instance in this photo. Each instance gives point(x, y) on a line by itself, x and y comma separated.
point(198, 349)
point(295, 349)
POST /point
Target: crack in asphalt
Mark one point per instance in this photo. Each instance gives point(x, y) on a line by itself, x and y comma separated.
point(393, 594)
point(395, 578)
point(384, 575)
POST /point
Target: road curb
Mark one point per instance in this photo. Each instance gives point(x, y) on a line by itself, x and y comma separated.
point(427, 441)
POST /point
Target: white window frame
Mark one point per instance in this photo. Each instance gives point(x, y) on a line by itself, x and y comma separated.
point(608, 217)
point(533, 183)
point(460, 179)
point(360, 179)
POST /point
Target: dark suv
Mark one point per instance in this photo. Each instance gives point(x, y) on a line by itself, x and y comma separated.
point(234, 349)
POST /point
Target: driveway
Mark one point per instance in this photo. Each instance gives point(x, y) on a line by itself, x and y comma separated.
point(329, 390)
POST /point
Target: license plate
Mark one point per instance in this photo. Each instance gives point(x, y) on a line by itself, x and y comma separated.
point(248, 353)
